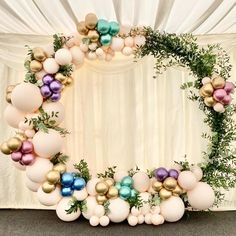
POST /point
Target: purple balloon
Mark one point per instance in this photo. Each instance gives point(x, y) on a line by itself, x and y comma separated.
point(173, 173)
point(219, 94)
point(227, 99)
point(161, 174)
point(55, 97)
point(27, 147)
point(47, 79)
point(45, 91)
point(16, 156)
point(27, 159)
point(229, 87)
point(55, 86)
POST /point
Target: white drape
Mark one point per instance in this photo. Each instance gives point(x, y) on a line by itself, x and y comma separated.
point(117, 115)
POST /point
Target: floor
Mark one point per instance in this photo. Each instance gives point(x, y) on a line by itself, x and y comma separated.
point(46, 223)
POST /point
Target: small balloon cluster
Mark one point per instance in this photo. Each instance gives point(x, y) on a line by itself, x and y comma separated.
point(99, 217)
point(38, 56)
point(70, 182)
point(216, 92)
point(166, 183)
point(53, 178)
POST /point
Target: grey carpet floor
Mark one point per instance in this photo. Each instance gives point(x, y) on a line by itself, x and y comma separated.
point(46, 223)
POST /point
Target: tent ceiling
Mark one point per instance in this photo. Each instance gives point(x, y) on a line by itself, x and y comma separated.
point(43, 17)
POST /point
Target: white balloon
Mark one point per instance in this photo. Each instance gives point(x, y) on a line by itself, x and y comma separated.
point(155, 210)
point(201, 197)
point(40, 74)
point(141, 181)
point(117, 44)
point(135, 211)
point(26, 97)
point(92, 46)
point(63, 56)
point(129, 42)
point(49, 50)
point(49, 199)
point(127, 51)
point(218, 107)
point(13, 116)
point(50, 66)
point(172, 209)
point(99, 52)
point(104, 221)
point(91, 203)
point(92, 55)
point(157, 219)
point(77, 55)
point(132, 220)
point(48, 144)
point(118, 210)
point(139, 40)
point(197, 171)
point(206, 80)
point(81, 194)
point(99, 211)
point(18, 166)
point(37, 172)
point(94, 221)
point(148, 218)
point(33, 186)
point(64, 205)
point(119, 175)
point(187, 180)
point(83, 47)
point(146, 207)
point(30, 133)
point(141, 219)
point(57, 108)
point(91, 186)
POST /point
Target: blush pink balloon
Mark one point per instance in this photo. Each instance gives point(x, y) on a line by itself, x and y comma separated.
point(27, 159)
point(16, 156)
point(27, 147)
point(219, 94)
point(227, 99)
point(229, 87)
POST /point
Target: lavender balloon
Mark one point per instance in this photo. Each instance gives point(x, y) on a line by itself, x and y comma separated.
point(227, 99)
point(55, 86)
point(219, 94)
point(16, 156)
point(27, 159)
point(47, 79)
point(45, 91)
point(27, 147)
point(55, 97)
point(229, 87)
point(161, 174)
point(173, 173)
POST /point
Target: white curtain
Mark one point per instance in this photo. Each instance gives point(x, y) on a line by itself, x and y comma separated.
point(117, 115)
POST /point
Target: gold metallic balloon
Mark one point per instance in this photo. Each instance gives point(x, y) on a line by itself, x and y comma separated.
point(157, 186)
point(8, 97)
point(91, 21)
point(60, 77)
point(112, 192)
point(101, 199)
point(170, 183)
point(21, 136)
point(35, 66)
point(165, 194)
point(5, 149)
point(101, 187)
point(82, 28)
point(93, 35)
point(10, 88)
point(39, 54)
point(218, 82)
point(209, 101)
point(177, 191)
point(61, 168)
point(110, 181)
point(69, 81)
point(207, 90)
point(53, 176)
point(14, 144)
point(48, 187)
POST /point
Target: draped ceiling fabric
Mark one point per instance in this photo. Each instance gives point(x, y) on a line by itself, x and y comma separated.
point(116, 112)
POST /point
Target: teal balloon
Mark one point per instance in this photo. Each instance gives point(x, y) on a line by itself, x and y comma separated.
point(105, 40)
point(125, 192)
point(127, 181)
point(103, 26)
point(118, 186)
point(133, 193)
point(114, 28)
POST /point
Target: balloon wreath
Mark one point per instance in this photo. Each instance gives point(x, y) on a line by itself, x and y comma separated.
point(150, 197)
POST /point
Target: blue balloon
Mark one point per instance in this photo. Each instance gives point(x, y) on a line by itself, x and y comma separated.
point(105, 39)
point(66, 191)
point(103, 26)
point(79, 183)
point(127, 181)
point(125, 192)
point(67, 179)
point(114, 28)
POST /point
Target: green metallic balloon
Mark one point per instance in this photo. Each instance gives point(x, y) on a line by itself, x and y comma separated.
point(118, 185)
point(125, 192)
point(103, 26)
point(105, 40)
point(127, 181)
point(114, 28)
point(133, 193)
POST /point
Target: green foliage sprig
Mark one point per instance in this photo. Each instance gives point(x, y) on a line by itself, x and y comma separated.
point(109, 173)
point(66, 70)
point(154, 201)
point(29, 76)
point(135, 201)
point(59, 158)
point(75, 205)
point(83, 169)
point(133, 171)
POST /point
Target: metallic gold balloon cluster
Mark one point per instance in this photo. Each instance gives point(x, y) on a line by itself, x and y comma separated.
point(53, 178)
point(106, 190)
point(38, 56)
point(65, 80)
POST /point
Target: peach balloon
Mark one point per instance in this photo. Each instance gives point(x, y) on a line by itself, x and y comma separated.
point(26, 97)
point(50, 66)
point(187, 180)
point(40, 74)
point(91, 186)
point(117, 44)
point(91, 204)
point(13, 116)
point(201, 197)
point(139, 40)
point(218, 107)
point(83, 47)
point(49, 50)
point(57, 108)
point(48, 144)
point(129, 42)
point(127, 51)
point(63, 56)
point(37, 172)
point(33, 186)
point(119, 175)
point(49, 199)
point(141, 181)
point(197, 171)
point(77, 55)
point(92, 56)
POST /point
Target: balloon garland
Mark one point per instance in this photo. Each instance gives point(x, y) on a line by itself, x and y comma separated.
point(114, 196)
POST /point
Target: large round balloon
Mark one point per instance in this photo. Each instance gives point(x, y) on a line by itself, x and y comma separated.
point(117, 44)
point(172, 209)
point(56, 108)
point(187, 180)
point(77, 55)
point(50, 66)
point(49, 199)
point(64, 205)
point(13, 116)
point(201, 197)
point(33, 186)
point(91, 186)
point(118, 210)
point(81, 194)
point(26, 97)
point(141, 181)
point(91, 203)
point(37, 172)
point(47, 144)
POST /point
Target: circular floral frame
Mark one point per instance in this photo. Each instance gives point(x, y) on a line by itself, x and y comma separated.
point(150, 197)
